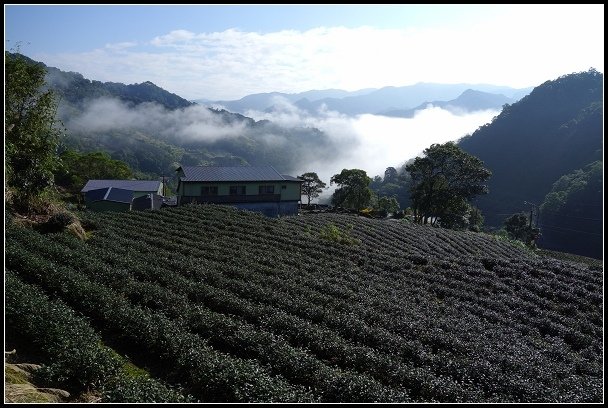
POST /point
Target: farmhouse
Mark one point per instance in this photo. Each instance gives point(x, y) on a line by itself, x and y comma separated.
point(139, 187)
point(109, 199)
point(261, 189)
point(122, 195)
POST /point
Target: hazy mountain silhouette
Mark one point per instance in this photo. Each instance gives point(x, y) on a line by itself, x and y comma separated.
point(372, 101)
point(469, 101)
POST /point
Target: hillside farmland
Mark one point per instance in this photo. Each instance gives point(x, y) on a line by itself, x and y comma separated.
point(224, 305)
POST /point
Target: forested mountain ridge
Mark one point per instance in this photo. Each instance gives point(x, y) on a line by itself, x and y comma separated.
point(75, 89)
point(553, 131)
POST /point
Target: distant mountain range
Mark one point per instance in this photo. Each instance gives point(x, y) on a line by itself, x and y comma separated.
point(394, 101)
point(468, 101)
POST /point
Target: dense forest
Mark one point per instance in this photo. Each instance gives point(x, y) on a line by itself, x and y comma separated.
point(555, 131)
point(571, 216)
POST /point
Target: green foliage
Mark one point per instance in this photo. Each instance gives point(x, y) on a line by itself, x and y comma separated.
point(571, 214)
point(73, 88)
point(57, 222)
point(74, 357)
point(395, 183)
point(442, 182)
point(331, 232)
point(312, 185)
point(139, 389)
point(31, 135)
point(518, 227)
point(503, 236)
point(475, 219)
point(353, 191)
point(583, 185)
point(387, 205)
point(78, 168)
point(390, 175)
point(70, 346)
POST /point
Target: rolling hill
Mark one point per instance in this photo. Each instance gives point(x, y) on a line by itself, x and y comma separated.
point(219, 305)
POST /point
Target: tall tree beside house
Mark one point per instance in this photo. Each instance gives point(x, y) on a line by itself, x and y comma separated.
point(353, 189)
point(31, 132)
point(312, 186)
point(442, 183)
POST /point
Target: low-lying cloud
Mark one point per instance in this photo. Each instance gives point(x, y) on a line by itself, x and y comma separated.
point(373, 142)
point(195, 123)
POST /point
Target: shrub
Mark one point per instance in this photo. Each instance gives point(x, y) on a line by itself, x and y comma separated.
point(333, 233)
point(57, 222)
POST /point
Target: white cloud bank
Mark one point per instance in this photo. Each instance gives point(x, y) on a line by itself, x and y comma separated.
point(372, 142)
point(193, 123)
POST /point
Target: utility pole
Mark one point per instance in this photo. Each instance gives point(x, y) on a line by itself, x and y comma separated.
point(164, 192)
point(533, 211)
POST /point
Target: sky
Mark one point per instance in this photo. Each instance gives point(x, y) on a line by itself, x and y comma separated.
point(227, 52)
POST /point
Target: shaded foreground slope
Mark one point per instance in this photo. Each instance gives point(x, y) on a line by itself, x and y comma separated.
point(226, 305)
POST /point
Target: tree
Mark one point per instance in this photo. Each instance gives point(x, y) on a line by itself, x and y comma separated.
point(442, 182)
point(388, 205)
point(475, 219)
point(519, 227)
point(390, 175)
point(353, 190)
point(395, 183)
point(77, 168)
point(31, 136)
point(571, 214)
point(312, 185)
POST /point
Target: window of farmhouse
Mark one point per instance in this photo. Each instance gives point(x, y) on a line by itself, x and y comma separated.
point(266, 190)
point(209, 190)
point(237, 190)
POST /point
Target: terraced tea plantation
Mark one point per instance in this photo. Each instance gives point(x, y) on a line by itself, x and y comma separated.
point(213, 304)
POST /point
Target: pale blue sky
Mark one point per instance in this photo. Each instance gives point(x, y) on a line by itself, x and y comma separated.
point(80, 28)
point(226, 52)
